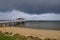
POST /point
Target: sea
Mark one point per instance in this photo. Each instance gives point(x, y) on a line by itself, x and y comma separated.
point(40, 24)
point(54, 25)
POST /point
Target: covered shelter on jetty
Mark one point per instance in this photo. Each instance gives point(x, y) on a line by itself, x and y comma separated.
point(22, 20)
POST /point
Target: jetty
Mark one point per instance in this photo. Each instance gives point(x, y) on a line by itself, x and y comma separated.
point(11, 22)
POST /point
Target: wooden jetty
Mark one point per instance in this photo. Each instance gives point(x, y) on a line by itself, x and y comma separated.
point(10, 23)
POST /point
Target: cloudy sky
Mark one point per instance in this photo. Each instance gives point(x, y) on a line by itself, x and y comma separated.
point(30, 9)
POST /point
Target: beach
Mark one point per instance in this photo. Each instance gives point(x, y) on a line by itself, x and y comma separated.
point(41, 33)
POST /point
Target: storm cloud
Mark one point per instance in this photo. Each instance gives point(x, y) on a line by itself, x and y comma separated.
point(30, 9)
point(31, 6)
point(14, 14)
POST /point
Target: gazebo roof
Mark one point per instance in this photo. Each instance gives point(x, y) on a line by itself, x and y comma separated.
point(20, 19)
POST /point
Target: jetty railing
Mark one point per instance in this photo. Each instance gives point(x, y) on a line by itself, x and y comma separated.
point(10, 23)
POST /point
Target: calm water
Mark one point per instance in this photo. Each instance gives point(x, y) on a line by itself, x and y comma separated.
point(43, 24)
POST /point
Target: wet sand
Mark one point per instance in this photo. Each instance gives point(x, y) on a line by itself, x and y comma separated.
point(53, 34)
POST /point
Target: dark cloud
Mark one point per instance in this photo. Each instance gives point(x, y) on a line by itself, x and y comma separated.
point(31, 6)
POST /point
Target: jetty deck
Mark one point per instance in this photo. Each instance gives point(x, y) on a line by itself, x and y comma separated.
point(9, 22)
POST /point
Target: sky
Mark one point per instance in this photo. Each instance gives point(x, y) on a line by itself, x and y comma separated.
point(30, 9)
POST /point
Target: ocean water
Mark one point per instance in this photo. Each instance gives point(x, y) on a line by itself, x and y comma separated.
point(43, 25)
point(54, 25)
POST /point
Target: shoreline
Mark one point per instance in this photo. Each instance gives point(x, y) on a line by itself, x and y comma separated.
point(42, 33)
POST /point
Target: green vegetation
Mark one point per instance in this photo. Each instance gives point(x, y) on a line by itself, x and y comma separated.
point(7, 36)
point(10, 36)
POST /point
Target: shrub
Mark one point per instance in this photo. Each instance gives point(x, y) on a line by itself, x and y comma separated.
point(8, 33)
point(16, 35)
point(29, 38)
point(47, 39)
point(1, 32)
point(19, 37)
point(37, 38)
point(54, 39)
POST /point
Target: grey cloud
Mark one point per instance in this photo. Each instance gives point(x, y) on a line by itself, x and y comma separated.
point(31, 6)
point(12, 15)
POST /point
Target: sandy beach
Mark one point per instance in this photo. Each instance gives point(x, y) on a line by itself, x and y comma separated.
point(33, 32)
